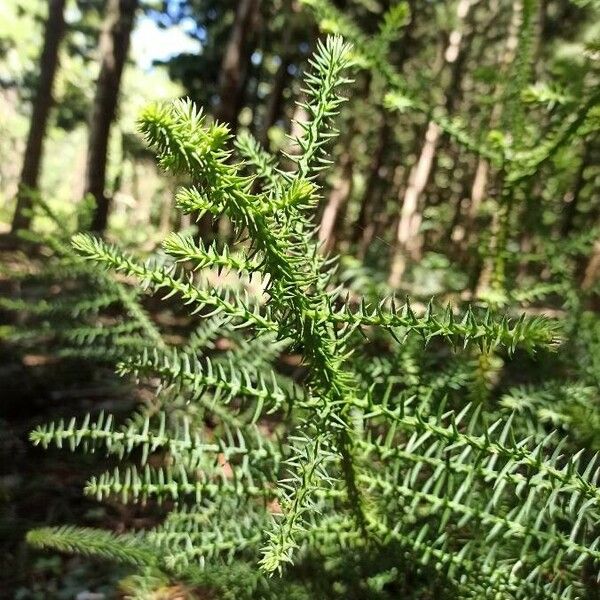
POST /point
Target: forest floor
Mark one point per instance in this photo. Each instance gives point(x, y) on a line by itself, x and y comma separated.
point(44, 487)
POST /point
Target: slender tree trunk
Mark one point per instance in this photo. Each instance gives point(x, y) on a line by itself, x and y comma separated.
point(572, 198)
point(481, 174)
point(471, 204)
point(408, 242)
point(542, 19)
point(342, 188)
point(482, 272)
point(142, 193)
point(113, 45)
point(363, 228)
point(28, 184)
point(275, 102)
point(164, 224)
point(490, 273)
point(338, 197)
point(366, 225)
point(592, 269)
point(479, 187)
point(235, 61)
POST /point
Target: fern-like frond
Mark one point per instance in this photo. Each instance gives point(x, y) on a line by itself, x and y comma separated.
point(166, 279)
point(93, 542)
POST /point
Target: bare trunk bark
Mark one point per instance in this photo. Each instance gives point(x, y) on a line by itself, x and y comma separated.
point(410, 216)
point(142, 192)
point(338, 197)
point(366, 225)
point(470, 204)
point(164, 225)
point(480, 181)
point(479, 187)
point(408, 241)
point(28, 184)
point(235, 61)
point(276, 100)
point(572, 198)
point(113, 45)
point(363, 229)
point(482, 280)
point(592, 270)
point(342, 188)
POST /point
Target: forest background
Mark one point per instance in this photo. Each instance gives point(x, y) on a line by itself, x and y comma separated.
point(410, 203)
point(402, 193)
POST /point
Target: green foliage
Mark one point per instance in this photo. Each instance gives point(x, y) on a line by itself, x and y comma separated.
point(363, 457)
point(92, 542)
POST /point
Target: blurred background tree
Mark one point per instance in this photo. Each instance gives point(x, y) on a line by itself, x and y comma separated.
point(416, 201)
point(408, 196)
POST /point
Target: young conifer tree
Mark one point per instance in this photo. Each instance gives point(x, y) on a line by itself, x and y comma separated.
point(347, 468)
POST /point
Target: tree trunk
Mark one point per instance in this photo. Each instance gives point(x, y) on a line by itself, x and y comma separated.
point(572, 198)
point(592, 269)
point(113, 45)
point(235, 61)
point(55, 26)
point(470, 205)
point(342, 188)
point(408, 242)
point(275, 102)
point(299, 118)
point(166, 210)
point(478, 191)
point(482, 271)
point(338, 197)
point(364, 227)
point(479, 187)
